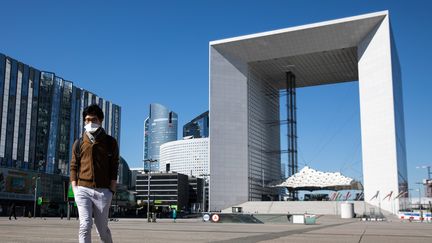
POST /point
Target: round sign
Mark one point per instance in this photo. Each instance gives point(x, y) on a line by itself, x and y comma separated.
point(215, 218)
point(206, 217)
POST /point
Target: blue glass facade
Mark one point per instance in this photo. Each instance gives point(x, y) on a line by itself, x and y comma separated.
point(124, 173)
point(160, 127)
point(80, 99)
point(54, 123)
point(198, 127)
point(64, 129)
point(11, 111)
point(43, 119)
point(2, 81)
point(40, 118)
point(24, 78)
point(146, 128)
point(35, 83)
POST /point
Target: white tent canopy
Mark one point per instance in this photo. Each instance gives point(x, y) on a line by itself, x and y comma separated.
point(309, 179)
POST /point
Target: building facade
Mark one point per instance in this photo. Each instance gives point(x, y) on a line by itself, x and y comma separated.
point(197, 191)
point(246, 74)
point(159, 127)
point(190, 157)
point(428, 187)
point(198, 127)
point(166, 190)
point(187, 156)
point(134, 173)
point(124, 176)
point(40, 118)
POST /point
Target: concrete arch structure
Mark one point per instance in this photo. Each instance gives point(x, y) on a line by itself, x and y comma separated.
point(245, 70)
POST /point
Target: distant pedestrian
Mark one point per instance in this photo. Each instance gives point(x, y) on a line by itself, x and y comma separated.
point(93, 175)
point(12, 211)
point(61, 213)
point(174, 214)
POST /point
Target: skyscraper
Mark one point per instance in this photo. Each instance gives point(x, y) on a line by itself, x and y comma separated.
point(198, 127)
point(40, 117)
point(159, 127)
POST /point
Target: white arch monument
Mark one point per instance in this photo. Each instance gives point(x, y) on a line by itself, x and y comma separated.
point(246, 74)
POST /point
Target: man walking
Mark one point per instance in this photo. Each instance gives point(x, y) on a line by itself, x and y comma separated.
point(93, 174)
point(174, 214)
point(12, 211)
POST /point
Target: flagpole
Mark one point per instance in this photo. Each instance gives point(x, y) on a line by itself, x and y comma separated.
point(379, 203)
point(364, 206)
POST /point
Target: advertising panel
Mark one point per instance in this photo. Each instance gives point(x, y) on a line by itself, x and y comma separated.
point(16, 184)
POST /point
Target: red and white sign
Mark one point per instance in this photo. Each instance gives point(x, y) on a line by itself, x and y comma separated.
point(215, 218)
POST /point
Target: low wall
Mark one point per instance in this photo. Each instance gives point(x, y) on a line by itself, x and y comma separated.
point(299, 207)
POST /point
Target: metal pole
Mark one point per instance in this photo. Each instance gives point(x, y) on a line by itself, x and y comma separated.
point(204, 197)
point(204, 176)
point(35, 198)
point(409, 199)
point(420, 205)
point(428, 167)
point(148, 197)
point(292, 127)
point(68, 210)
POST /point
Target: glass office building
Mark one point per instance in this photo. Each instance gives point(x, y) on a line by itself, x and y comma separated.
point(41, 118)
point(198, 127)
point(160, 127)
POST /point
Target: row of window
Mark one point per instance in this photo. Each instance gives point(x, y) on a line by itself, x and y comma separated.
point(37, 110)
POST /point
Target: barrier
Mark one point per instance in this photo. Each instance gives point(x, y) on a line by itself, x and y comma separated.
point(416, 216)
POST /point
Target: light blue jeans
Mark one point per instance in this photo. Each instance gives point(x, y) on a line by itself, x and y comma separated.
point(96, 202)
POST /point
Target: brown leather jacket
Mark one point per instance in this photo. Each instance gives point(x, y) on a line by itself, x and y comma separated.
point(99, 161)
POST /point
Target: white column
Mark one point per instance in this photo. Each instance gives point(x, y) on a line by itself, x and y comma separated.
point(28, 120)
point(17, 115)
point(104, 111)
point(81, 109)
point(89, 98)
point(5, 108)
point(378, 119)
point(110, 119)
point(228, 122)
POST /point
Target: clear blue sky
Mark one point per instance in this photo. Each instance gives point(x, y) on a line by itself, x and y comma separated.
point(138, 52)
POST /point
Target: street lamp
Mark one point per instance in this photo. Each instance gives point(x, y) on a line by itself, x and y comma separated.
point(419, 191)
point(35, 195)
point(409, 198)
point(204, 194)
point(428, 167)
point(148, 185)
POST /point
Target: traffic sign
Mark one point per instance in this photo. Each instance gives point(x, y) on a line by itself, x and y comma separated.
point(206, 217)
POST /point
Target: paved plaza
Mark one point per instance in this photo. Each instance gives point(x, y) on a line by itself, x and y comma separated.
point(327, 229)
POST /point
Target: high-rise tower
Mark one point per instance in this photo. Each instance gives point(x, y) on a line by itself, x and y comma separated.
point(159, 127)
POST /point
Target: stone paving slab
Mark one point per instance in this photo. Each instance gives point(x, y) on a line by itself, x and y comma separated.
point(327, 229)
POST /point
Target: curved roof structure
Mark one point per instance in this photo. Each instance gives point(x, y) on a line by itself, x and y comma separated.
point(309, 179)
point(319, 53)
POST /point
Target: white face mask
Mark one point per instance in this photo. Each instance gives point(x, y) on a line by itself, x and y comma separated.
point(91, 127)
